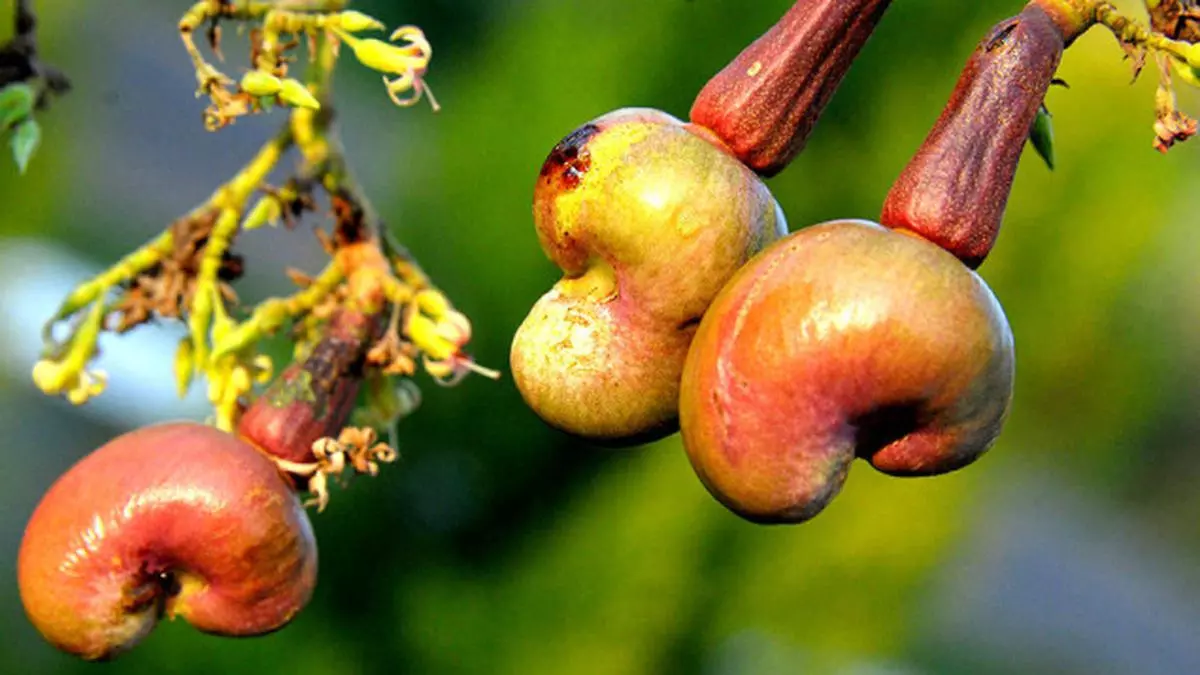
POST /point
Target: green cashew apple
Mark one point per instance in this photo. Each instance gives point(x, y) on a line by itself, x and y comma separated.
point(647, 217)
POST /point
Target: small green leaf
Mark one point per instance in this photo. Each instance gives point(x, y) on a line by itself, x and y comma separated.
point(16, 103)
point(25, 140)
point(1041, 135)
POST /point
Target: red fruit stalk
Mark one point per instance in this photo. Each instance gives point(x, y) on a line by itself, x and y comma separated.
point(955, 189)
point(186, 520)
point(312, 399)
point(764, 104)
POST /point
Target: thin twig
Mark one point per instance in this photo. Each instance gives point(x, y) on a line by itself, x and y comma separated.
point(19, 60)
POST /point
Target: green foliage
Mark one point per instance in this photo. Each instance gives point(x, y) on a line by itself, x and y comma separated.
point(16, 103)
point(1042, 136)
point(25, 140)
point(16, 119)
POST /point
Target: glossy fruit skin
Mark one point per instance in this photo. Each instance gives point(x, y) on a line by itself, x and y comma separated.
point(844, 339)
point(172, 520)
point(647, 217)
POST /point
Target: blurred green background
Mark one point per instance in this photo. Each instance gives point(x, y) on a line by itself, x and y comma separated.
point(500, 546)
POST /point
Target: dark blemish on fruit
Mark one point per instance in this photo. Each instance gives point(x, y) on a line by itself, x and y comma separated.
point(570, 159)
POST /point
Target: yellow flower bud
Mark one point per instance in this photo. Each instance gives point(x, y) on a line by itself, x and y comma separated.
point(1187, 73)
point(217, 379)
point(258, 83)
point(424, 334)
point(86, 386)
point(239, 382)
point(263, 368)
point(432, 303)
point(48, 376)
point(355, 22)
point(389, 58)
point(77, 396)
point(185, 366)
point(266, 211)
point(294, 93)
point(99, 383)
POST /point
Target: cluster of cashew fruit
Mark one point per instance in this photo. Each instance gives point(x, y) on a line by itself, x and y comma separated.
point(684, 304)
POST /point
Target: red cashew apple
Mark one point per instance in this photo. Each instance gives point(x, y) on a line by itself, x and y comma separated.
point(648, 217)
point(185, 520)
point(843, 340)
point(171, 520)
point(848, 339)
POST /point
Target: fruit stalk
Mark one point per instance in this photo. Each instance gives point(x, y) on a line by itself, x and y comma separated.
point(954, 190)
point(765, 103)
point(312, 398)
point(1072, 17)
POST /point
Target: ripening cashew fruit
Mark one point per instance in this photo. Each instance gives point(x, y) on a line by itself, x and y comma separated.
point(843, 340)
point(186, 520)
point(850, 339)
point(648, 217)
point(171, 520)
